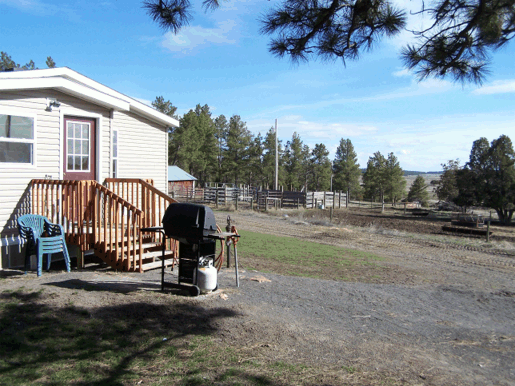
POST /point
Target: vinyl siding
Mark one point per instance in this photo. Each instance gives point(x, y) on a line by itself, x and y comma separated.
point(142, 148)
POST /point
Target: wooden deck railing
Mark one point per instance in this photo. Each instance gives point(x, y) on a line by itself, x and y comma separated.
point(145, 196)
point(93, 217)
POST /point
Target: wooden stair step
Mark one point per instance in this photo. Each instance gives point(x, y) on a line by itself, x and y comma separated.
point(147, 248)
point(155, 264)
point(157, 254)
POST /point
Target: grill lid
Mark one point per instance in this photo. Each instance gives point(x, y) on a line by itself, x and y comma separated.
point(188, 222)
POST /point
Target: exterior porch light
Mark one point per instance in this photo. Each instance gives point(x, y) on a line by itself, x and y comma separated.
point(52, 102)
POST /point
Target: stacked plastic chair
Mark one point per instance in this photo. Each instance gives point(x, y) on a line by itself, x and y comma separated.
point(43, 238)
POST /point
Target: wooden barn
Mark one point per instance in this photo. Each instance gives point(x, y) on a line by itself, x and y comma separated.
point(180, 182)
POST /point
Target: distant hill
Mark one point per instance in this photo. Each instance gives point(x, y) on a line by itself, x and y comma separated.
point(410, 172)
point(414, 173)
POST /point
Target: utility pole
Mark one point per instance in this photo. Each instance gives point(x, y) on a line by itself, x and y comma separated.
point(276, 184)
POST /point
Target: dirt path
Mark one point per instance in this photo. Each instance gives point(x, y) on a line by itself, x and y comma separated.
point(445, 313)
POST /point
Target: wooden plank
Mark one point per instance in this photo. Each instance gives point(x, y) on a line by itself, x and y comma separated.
point(157, 264)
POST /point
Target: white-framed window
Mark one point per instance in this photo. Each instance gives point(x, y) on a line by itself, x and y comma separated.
point(78, 146)
point(115, 154)
point(17, 138)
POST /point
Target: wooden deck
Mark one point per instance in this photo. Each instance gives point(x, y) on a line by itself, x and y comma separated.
point(107, 219)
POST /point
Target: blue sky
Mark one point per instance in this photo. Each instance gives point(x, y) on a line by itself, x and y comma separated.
point(222, 61)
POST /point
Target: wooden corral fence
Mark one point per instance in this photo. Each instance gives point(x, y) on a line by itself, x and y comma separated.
point(326, 200)
point(262, 199)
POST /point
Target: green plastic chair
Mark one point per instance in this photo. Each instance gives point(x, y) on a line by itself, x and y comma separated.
point(31, 228)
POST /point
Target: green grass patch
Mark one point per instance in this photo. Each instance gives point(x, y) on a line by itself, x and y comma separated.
point(291, 256)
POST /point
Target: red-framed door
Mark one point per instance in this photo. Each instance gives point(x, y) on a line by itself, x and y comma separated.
point(79, 149)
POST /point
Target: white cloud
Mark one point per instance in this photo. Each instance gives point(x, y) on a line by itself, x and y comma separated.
point(402, 73)
point(497, 87)
point(311, 132)
point(426, 87)
point(195, 37)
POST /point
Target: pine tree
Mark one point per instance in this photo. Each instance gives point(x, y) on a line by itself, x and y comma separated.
point(320, 168)
point(183, 142)
point(236, 154)
point(488, 178)
point(6, 63)
point(166, 107)
point(254, 168)
point(50, 62)
point(221, 132)
point(394, 181)
point(446, 187)
point(293, 163)
point(384, 178)
point(373, 177)
point(346, 168)
point(204, 163)
point(418, 191)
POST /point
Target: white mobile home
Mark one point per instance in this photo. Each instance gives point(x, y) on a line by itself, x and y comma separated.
point(59, 130)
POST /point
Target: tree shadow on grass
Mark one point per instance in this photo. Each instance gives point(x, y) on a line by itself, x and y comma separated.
point(111, 345)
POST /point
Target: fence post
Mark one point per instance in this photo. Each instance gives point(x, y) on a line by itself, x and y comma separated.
point(334, 200)
point(325, 205)
point(236, 198)
point(313, 201)
point(347, 198)
point(331, 214)
point(216, 197)
point(488, 231)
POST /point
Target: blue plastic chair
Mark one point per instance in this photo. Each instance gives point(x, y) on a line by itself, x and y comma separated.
point(43, 238)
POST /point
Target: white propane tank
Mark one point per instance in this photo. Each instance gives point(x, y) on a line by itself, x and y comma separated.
point(207, 277)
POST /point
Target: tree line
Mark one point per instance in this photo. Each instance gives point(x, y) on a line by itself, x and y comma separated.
point(223, 150)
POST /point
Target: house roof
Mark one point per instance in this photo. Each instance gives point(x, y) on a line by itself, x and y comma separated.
point(175, 173)
point(71, 82)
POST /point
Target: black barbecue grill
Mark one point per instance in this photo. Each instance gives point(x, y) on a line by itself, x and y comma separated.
point(189, 223)
point(194, 226)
